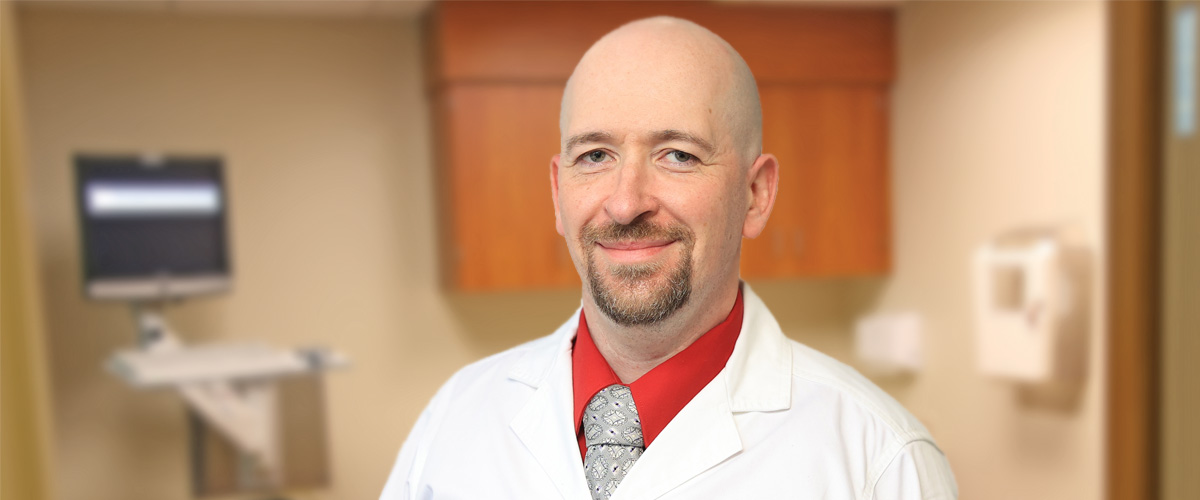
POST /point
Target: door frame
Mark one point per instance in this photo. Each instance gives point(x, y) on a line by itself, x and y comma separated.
point(1136, 69)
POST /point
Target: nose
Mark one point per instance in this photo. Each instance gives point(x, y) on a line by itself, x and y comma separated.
point(631, 197)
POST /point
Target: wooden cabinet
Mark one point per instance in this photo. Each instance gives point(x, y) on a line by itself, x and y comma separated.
point(498, 140)
point(497, 71)
point(831, 217)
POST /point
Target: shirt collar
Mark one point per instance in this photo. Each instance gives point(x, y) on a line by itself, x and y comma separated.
point(663, 391)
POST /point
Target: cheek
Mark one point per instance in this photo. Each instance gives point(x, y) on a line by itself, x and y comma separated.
point(726, 215)
point(575, 207)
point(580, 200)
point(713, 217)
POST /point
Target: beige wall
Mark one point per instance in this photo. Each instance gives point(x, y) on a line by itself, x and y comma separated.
point(999, 123)
point(324, 127)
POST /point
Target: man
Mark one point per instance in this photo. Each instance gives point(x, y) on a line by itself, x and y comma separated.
point(672, 380)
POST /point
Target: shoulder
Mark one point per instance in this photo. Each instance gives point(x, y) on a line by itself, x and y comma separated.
point(524, 365)
point(817, 371)
point(472, 410)
point(901, 458)
point(766, 364)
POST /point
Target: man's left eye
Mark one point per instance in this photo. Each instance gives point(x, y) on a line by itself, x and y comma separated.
point(680, 157)
point(596, 156)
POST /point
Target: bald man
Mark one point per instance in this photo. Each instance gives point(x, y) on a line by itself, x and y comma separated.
point(672, 380)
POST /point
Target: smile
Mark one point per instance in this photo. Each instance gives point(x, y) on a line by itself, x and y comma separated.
point(629, 252)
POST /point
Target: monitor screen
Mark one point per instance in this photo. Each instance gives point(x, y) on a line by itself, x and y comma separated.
point(152, 228)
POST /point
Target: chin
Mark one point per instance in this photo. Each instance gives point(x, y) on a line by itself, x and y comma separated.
point(640, 294)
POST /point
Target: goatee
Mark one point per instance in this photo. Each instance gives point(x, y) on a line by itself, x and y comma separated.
point(635, 297)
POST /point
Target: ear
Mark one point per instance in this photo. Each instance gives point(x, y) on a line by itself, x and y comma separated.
point(764, 184)
point(558, 225)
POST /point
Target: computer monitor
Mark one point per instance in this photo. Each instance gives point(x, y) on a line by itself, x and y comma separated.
point(153, 228)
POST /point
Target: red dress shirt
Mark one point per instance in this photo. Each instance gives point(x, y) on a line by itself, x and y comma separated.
point(665, 389)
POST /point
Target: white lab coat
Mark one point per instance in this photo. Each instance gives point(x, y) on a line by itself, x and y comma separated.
point(779, 421)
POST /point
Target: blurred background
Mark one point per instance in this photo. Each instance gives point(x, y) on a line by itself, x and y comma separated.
point(990, 208)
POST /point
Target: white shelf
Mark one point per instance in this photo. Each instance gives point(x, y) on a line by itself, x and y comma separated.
point(218, 362)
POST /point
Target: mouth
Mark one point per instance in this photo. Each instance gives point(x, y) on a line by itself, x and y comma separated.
point(632, 252)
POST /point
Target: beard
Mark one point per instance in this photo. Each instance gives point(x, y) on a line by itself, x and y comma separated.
point(637, 294)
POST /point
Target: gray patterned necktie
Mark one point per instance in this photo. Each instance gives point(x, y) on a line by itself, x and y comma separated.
point(613, 434)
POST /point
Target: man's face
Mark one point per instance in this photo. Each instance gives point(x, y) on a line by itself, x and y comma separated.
point(648, 190)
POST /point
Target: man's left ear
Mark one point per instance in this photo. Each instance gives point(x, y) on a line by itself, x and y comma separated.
point(764, 184)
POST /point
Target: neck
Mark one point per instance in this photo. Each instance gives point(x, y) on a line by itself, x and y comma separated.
point(632, 351)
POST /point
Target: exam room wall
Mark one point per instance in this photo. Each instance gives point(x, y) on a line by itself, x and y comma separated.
point(999, 123)
point(324, 127)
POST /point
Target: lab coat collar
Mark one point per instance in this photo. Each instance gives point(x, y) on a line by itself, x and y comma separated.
point(758, 372)
point(757, 377)
point(545, 424)
point(536, 365)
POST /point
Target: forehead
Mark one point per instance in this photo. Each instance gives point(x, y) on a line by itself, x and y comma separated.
point(639, 111)
point(637, 86)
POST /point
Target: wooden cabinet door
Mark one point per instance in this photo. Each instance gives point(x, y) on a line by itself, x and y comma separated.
point(496, 143)
point(831, 216)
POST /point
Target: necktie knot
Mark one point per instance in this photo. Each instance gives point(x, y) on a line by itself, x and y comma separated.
point(612, 431)
point(611, 417)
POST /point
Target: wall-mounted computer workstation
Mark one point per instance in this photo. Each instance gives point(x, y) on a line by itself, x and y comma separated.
point(155, 232)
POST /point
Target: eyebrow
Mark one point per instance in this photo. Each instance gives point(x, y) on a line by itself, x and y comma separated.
point(587, 137)
point(657, 137)
point(679, 135)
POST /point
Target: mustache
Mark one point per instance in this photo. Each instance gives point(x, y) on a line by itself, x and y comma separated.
point(639, 229)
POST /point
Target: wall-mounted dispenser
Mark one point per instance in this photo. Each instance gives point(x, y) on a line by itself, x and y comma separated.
point(1025, 307)
point(889, 344)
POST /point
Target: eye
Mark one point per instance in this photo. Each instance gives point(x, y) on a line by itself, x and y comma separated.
point(676, 159)
point(680, 157)
point(594, 157)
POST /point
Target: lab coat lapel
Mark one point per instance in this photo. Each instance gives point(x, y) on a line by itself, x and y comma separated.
point(545, 425)
point(701, 436)
point(757, 377)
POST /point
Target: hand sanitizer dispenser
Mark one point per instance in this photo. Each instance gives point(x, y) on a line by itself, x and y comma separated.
point(1022, 307)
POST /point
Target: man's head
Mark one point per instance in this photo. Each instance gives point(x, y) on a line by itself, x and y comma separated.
point(660, 173)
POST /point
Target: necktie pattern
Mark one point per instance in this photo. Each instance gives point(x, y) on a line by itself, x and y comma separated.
point(613, 434)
